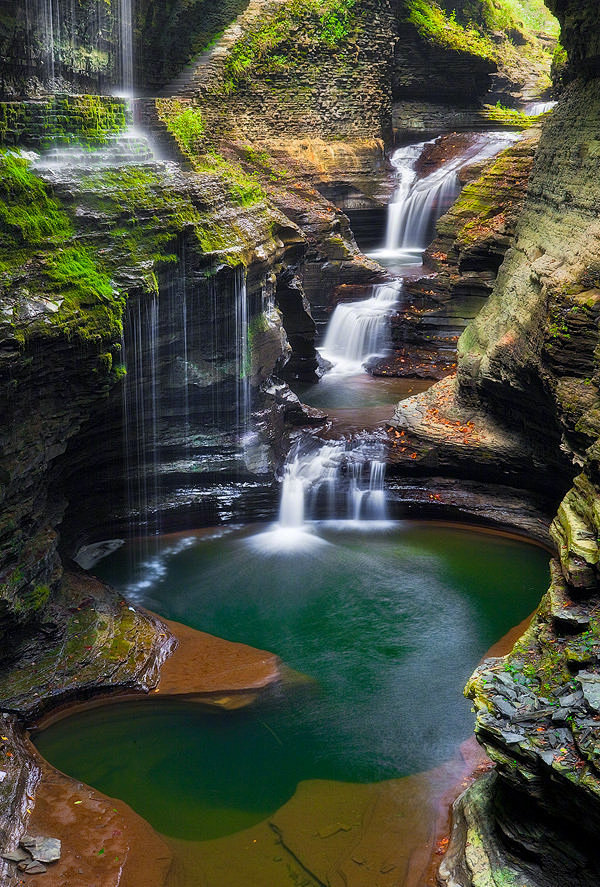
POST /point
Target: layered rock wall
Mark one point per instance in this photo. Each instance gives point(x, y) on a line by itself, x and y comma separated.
point(528, 368)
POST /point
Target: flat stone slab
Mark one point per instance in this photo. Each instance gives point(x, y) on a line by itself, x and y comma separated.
point(32, 868)
point(42, 849)
point(17, 855)
point(590, 684)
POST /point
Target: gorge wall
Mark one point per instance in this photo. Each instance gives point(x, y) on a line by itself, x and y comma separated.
point(525, 403)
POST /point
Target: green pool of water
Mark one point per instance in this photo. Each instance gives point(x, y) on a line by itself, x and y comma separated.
point(388, 623)
point(359, 392)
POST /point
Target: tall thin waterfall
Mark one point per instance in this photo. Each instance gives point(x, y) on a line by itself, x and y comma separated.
point(360, 330)
point(242, 352)
point(126, 46)
point(186, 392)
point(49, 39)
point(85, 44)
point(141, 413)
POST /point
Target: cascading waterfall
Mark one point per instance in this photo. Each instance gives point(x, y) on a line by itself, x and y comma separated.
point(419, 203)
point(336, 480)
point(405, 203)
point(535, 108)
point(360, 330)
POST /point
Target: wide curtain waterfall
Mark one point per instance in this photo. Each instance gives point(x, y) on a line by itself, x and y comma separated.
point(187, 392)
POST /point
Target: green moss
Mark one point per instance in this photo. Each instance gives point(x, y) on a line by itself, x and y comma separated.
point(87, 120)
point(29, 215)
point(510, 117)
point(434, 24)
point(243, 189)
point(37, 248)
point(119, 372)
point(37, 598)
point(504, 15)
point(75, 276)
point(263, 162)
point(185, 123)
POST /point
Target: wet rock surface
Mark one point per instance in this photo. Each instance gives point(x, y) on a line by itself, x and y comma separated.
point(526, 394)
point(89, 639)
point(462, 262)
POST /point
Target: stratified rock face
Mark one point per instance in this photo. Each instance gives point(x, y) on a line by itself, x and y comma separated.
point(532, 356)
point(291, 70)
point(425, 72)
point(471, 241)
point(530, 352)
point(173, 32)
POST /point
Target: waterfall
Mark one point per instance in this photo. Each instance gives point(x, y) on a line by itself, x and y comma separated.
point(413, 214)
point(187, 398)
point(242, 352)
point(327, 480)
point(358, 331)
point(535, 108)
point(335, 480)
point(49, 44)
point(126, 47)
point(77, 46)
point(404, 161)
point(419, 203)
point(141, 413)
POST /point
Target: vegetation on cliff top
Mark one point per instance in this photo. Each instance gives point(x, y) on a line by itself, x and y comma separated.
point(502, 15)
point(433, 23)
point(186, 125)
point(489, 29)
point(293, 29)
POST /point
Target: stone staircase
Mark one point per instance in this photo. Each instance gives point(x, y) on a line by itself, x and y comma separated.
point(163, 142)
point(209, 64)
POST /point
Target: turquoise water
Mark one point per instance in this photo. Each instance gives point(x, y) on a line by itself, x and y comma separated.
point(388, 624)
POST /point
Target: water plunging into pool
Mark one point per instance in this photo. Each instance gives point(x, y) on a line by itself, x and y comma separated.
point(359, 330)
point(419, 202)
point(336, 480)
point(381, 628)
